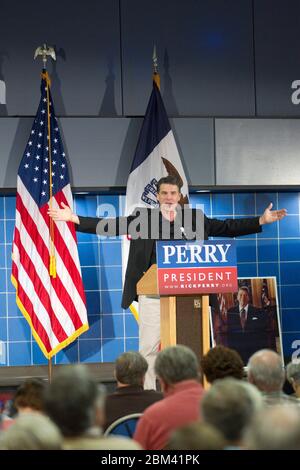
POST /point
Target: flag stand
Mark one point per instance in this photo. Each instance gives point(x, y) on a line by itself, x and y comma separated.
point(50, 370)
point(45, 51)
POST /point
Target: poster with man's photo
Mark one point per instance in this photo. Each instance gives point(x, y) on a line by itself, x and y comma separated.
point(248, 320)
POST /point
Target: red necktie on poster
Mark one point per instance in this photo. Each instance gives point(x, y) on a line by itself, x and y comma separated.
point(243, 317)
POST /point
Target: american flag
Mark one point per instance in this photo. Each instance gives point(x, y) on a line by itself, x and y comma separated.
point(54, 305)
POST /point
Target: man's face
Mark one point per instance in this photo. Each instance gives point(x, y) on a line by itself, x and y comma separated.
point(168, 196)
point(243, 298)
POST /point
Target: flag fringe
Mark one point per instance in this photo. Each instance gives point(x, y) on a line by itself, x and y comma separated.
point(134, 312)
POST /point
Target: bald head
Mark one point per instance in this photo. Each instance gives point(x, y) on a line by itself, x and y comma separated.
point(275, 428)
point(265, 371)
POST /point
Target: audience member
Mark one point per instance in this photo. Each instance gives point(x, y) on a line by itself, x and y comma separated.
point(196, 436)
point(130, 396)
point(293, 376)
point(275, 428)
point(229, 406)
point(266, 372)
point(29, 396)
point(31, 431)
point(221, 362)
point(177, 369)
point(75, 403)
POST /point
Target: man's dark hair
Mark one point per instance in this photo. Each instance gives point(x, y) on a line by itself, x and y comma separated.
point(169, 180)
point(30, 395)
point(130, 368)
point(245, 289)
point(222, 362)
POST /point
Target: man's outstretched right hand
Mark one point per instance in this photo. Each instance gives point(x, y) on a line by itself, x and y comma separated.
point(65, 214)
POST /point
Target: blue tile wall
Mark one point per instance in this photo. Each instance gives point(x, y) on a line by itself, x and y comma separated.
point(262, 200)
point(204, 200)
point(1, 209)
point(110, 253)
point(268, 269)
point(68, 355)
point(3, 305)
point(113, 326)
point(289, 249)
point(111, 277)
point(89, 254)
point(9, 207)
point(274, 252)
point(111, 301)
point(267, 251)
point(1, 235)
point(2, 280)
point(244, 204)
point(113, 348)
point(3, 329)
point(222, 204)
point(20, 353)
point(93, 300)
point(37, 355)
point(290, 203)
point(246, 250)
point(2, 255)
point(89, 351)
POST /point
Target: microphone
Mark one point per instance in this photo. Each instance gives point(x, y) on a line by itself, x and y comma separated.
point(183, 235)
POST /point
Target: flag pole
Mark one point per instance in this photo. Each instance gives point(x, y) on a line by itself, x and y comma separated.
point(50, 370)
point(156, 77)
point(45, 51)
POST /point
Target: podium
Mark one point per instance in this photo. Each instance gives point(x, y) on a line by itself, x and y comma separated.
point(186, 272)
point(184, 319)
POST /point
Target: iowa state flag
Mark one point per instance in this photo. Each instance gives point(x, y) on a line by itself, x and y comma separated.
point(156, 156)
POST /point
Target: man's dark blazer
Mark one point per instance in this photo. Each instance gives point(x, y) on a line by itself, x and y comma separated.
point(253, 337)
point(127, 400)
point(141, 248)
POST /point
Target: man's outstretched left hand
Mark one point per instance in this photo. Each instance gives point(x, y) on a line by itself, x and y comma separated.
point(270, 216)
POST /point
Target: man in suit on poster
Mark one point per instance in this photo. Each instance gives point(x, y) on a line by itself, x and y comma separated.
point(173, 222)
point(247, 326)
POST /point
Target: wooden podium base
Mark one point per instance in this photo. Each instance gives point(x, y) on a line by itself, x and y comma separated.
point(185, 320)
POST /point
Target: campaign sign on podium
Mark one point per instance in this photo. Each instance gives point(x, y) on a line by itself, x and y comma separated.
point(186, 267)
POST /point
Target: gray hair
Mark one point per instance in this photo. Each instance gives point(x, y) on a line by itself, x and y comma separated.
point(130, 368)
point(265, 370)
point(275, 428)
point(176, 363)
point(196, 436)
point(293, 372)
point(72, 400)
point(229, 405)
point(31, 431)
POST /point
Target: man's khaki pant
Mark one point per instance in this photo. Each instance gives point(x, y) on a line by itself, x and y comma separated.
point(149, 335)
